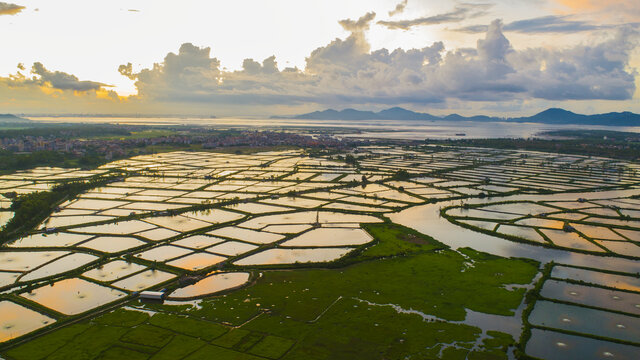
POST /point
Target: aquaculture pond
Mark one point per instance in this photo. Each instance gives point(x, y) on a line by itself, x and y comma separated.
point(282, 255)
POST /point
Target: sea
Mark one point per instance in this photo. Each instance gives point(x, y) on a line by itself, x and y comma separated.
point(385, 129)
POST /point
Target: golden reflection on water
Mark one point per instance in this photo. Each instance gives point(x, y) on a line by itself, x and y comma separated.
point(211, 284)
point(73, 296)
point(16, 320)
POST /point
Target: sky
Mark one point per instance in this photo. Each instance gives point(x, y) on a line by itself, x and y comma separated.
point(279, 57)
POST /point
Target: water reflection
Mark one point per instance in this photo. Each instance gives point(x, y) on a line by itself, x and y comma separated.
point(552, 345)
point(426, 219)
point(291, 256)
point(16, 320)
point(73, 296)
point(585, 321)
point(211, 285)
point(592, 296)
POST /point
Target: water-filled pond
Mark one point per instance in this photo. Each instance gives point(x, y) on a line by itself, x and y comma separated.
point(592, 296)
point(596, 277)
point(143, 280)
point(585, 321)
point(231, 248)
point(27, 260)
point(17, 320)
point(60, 265)
point(112, 244)
point(73, 296)
point(113, 270)
point(553, 345)
point(291, 256)
point(163, 253)
point(198, 241)
point(211, 284)
point(252, 236)
point(49, 240)
point(197, 261)
point(322, 237)
point(426, 219)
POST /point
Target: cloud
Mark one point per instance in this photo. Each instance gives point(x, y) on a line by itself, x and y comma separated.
point(362, 24)
point(618, 10)
point(346, 72)
point(459, 13)
point(62, 81)
point(399, 9)
point(541, 25)
point(10, 9)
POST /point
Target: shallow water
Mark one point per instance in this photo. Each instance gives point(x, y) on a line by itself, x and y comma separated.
point(73, 296)
point(119, 228)
point(63, 264)
point(27, 260)
point(198, 241)
point(426, 219)
point(62, 221)
point(49, 240)
point(197, 261)
point(231, 248)
point(214, 216)
point(252, 236)
point(586, 321)
point(163, 253)
point(630, 234)
point(599, 278)
point(621, 247)
point(158, 234)
point(113, 270)
point(112, 244)
point(552, 345)
point(8, 278)
point(592, 296)
point(143, 280)
point(5, 217)
point(287, 229)
point(17, 320)
point(211, 285)
point(330, 237)
point(521, 232)
point(291, 256)
point(178, 223)
point(479, 213)
point(257, 208)
point(597, 232)
point(570, 240)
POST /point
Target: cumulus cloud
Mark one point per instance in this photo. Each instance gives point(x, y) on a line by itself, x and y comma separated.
point(399, 9)
point(459, 13)
point(346, 72)
point(61, 80)
point(543, 24)
point(10, 9)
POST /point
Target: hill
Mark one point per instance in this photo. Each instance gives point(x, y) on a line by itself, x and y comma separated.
point(10, 118)
point(549, 116)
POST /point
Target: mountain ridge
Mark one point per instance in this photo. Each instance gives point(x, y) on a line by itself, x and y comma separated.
point(548, 116)
point(10, 118)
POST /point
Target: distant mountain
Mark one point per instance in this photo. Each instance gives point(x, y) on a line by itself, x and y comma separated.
point(549, 116)
point(561, 116)
point(398, 113)
point(10, 118)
